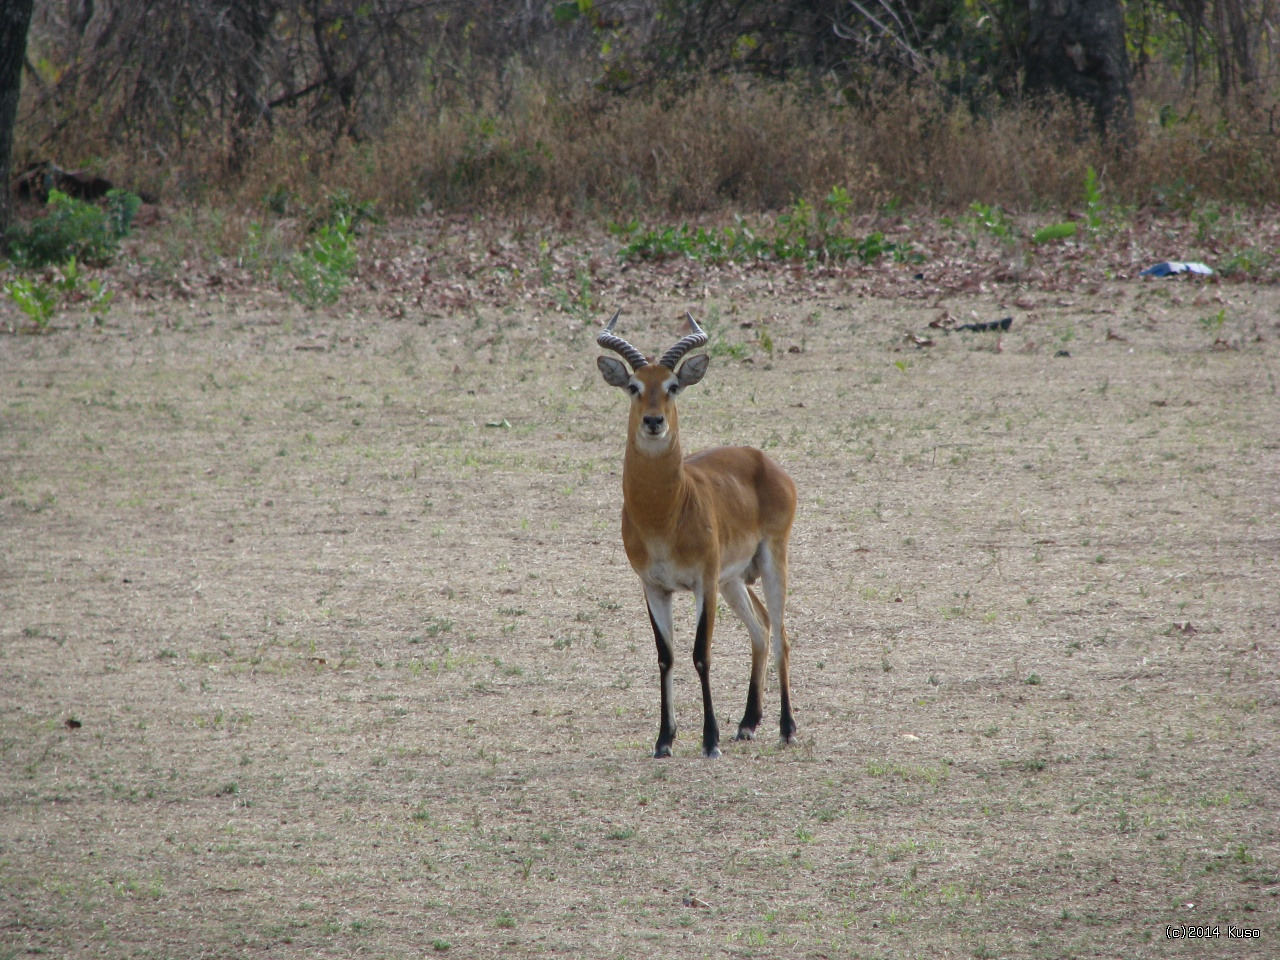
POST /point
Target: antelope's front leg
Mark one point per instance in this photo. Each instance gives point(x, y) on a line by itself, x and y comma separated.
point(659, 602)
point(706, 596)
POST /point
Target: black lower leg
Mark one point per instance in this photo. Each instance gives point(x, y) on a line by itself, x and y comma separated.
point(702, 661)
point(788, 725)
point(666, 728)
point(750, 716)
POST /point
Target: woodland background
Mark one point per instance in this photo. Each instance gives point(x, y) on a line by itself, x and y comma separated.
point(616, 107)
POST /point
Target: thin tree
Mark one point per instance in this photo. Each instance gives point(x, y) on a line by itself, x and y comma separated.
point(15, 20)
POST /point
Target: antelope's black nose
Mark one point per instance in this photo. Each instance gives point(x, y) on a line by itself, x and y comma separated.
point(653, 424)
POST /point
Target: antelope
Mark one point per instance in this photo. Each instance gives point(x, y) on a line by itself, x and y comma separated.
point(712, 523)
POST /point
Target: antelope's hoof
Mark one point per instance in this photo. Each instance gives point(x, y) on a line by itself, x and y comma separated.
point(712, 754)
point(745, 733)
point(662, 750)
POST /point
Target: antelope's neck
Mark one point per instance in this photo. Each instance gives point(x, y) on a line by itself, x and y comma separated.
point(653, 486)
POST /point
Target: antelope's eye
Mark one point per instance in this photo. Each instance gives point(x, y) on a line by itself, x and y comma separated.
point(633, 389)
point(673, 389)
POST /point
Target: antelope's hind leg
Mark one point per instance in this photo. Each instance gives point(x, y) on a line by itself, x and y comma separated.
point(773, 573)
point(748, 608)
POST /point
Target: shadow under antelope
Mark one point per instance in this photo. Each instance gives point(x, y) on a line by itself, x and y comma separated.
point(711, 523)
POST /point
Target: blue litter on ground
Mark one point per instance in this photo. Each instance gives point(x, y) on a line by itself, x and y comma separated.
point(1170, 268)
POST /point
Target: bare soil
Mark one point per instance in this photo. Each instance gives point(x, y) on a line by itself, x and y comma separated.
point(317, 638)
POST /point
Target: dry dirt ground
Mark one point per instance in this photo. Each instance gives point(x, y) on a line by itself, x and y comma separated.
point(317, 638)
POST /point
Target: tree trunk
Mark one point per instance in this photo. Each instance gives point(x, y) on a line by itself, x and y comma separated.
point(250, 30)
point(1077, 47)
point(15, 19)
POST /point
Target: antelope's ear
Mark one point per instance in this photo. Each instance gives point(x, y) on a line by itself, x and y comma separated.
point(693, 370)
point(615, 372)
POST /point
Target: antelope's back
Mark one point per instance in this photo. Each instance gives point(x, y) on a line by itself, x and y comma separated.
point(758, 478)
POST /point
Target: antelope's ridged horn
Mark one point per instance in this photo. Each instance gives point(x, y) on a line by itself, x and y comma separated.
point(610, 341)
point(695, 339)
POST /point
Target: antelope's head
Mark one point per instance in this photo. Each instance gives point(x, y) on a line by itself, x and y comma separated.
point(653, 386)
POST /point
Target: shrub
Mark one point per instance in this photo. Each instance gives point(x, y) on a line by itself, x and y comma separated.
point(74, 230)
point(317, 273)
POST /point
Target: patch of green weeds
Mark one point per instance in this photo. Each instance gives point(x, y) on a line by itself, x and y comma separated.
point(911, 773)
point(73, 229)
point(39, 298)
point(1250, 262)
point(1206, 215)
point(696, 243)
point(1214, 323)
point(35, 298)
point(985, 218)
point(718, 345)
point(993, 220)
point(805, 233)
point(1054, 231)
point(438, 625)
point(131, 885)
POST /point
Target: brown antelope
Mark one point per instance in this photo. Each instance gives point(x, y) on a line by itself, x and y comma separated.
point(713, 522)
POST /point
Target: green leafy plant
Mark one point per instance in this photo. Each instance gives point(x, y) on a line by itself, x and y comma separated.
point(35, 298)
point(990, 219)
point(40, 298)
point(1054, 231)
point(1214, 323)
point(1250, 262)
point(317, 274)
point(696, 243)
point(73, 229)
point(69, 280)
point(122, 207)
point(766, 342)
